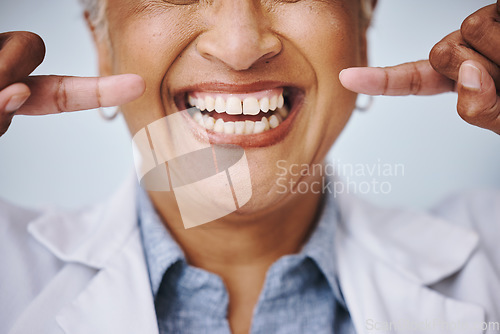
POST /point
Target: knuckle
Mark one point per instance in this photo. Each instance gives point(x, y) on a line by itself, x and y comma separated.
point(33, 44)
point(7, 72)
point(60, 97)
point(475, 114)
point(416, 81)
point(473, 28)
point(468, 113)
point(441, 55)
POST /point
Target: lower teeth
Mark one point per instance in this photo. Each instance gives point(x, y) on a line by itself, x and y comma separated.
point(241, 127)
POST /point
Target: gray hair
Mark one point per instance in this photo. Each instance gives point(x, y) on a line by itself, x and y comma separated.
point(96, 14)
point(96, 11)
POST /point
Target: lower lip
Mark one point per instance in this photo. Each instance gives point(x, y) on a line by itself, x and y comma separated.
point(263, 139)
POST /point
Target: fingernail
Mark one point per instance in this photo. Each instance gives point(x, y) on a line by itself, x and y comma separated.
point(16, 102)
point(470, 76)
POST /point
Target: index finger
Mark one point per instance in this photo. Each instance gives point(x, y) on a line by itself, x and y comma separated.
point(55, 94)
point(415, 78)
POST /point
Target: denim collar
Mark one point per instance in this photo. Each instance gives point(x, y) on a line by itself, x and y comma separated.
point(162, 251)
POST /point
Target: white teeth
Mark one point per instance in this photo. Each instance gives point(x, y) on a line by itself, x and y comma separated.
point(197, 116)
point(274, 121)
point(220, 104)
point(192, 100)
point(259, 127)
point(251, 106)
point(209, 103)
point(273, 103)
point(201, 121)
point(233, 106)
point(266, 123)
point(249, 125)
point(209, 123)
point(283, 112)
point(281, 101)
point(229, 128)
point(239, 127)
point(201, 104)
point(264, 104)
point(219, 125)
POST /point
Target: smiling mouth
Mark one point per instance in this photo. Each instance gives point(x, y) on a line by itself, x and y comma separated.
point(258, 118)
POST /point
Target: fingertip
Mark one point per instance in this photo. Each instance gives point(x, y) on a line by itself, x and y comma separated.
point(363, 80)
point(121, 89)
point(133, 85)
point(137, 84)
point(341, 74)
point(348, 77)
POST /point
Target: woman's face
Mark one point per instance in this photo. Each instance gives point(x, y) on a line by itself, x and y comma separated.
point(227, 51)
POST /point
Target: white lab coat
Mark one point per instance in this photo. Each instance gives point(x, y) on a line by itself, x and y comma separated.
point(85, 272)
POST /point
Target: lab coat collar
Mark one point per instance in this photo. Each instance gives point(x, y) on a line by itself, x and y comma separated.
point(386, 261)
point(117, 299)
point(423, 248)
point(89, 237)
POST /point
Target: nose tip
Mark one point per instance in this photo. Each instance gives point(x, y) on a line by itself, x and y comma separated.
point(238, 37)
point(239, 53)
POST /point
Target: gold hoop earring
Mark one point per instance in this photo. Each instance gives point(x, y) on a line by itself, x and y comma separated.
point(108, 116)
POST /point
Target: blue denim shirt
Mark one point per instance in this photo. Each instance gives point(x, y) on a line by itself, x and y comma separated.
point(301, 293)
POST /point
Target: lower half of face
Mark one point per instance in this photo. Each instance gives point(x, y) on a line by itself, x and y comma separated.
point(261, 76)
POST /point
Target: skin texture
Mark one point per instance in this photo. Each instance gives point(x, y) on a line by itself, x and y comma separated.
point(168, 46)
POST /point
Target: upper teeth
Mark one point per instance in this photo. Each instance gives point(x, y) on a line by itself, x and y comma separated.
point(234, 105)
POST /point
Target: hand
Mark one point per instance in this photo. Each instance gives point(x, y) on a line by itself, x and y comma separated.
point(466, 61)
point(21, 94)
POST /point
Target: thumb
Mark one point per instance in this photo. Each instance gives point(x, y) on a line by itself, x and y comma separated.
point(478, 102)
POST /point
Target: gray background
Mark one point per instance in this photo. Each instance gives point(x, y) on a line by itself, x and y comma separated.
point(77, 159)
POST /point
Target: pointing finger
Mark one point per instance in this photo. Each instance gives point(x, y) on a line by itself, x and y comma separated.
point(56, 94)
point(415, 78)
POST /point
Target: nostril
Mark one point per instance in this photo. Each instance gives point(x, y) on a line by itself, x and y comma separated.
point(240, 49)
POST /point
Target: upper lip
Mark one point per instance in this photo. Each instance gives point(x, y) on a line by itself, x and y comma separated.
point(232, 88)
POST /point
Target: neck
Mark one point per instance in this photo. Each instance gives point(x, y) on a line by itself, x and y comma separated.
point(241, 248)
point(237, 240)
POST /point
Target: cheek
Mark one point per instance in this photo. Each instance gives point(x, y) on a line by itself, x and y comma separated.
point(329, 45)
point(146, 39)
point(326, 33)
